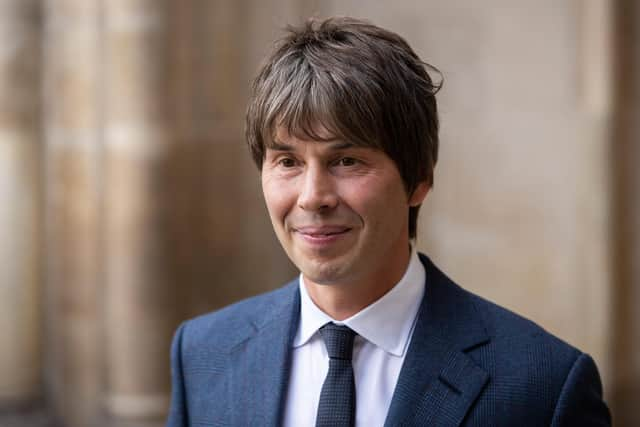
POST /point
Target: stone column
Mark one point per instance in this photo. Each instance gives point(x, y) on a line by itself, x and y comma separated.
point(139, 301)
point(72, 86)
point(595, 103)
point(20, 191)
point(626, 148)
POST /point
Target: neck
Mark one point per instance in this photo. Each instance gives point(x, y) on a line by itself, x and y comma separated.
point(343, 300)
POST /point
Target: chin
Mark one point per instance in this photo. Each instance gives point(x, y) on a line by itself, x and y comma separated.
point(323, 272)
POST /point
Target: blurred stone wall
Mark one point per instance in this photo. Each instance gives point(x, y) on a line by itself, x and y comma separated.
point(73, 271)
point(128, 201)
point(20, 192)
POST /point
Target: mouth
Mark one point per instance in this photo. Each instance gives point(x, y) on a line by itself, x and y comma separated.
point(321, 231)
point(322, 236)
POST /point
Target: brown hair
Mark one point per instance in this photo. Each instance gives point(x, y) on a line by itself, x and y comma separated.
point(361, 83)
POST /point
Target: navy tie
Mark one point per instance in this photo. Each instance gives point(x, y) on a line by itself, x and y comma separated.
point(337, 407)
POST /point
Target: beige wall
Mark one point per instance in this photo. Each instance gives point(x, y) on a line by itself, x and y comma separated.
point(154, 211)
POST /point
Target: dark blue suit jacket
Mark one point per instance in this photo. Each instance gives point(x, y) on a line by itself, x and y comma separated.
point(470, 363)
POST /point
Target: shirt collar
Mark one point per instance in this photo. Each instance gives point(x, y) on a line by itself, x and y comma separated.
point(387, 323)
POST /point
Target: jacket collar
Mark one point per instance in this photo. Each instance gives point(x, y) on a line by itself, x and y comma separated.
point(260, 362)
point(439, 382)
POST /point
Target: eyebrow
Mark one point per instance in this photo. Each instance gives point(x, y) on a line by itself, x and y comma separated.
point(279, 146)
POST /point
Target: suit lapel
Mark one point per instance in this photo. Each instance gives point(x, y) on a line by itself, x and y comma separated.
point(438, 382)
point(260, 365)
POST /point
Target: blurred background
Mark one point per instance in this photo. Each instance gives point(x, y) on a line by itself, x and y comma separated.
point(128, 201)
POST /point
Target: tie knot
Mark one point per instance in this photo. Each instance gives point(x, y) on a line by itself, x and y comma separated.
point(339, 340)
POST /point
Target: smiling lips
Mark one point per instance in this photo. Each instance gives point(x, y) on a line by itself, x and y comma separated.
point(321, 234)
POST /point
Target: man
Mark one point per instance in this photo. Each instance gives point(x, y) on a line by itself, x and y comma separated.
point(343, 127)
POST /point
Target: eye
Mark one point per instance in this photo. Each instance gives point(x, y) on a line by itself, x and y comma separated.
point(286, 162)
point(347, 161)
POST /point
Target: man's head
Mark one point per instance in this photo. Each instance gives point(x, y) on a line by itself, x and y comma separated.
point(349, 80)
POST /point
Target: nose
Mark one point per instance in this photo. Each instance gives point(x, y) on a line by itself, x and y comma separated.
point(318, 190)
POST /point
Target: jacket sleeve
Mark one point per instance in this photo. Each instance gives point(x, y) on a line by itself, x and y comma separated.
point(178, 410)
point(580, 402)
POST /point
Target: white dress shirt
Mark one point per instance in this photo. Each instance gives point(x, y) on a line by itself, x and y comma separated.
point(384, 330)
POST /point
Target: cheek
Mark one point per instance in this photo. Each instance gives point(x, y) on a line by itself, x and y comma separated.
point(277, 198)
point(375, 196)
point(382, 205)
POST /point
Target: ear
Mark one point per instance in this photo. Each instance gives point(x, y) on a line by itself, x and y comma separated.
point(419, 194)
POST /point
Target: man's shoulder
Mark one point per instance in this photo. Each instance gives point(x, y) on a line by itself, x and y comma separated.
point(510, 335)
point(506, 326)
point(500, 323)
point(528, 366)
point(228, 326)
point(517, 350)
point(516, 337)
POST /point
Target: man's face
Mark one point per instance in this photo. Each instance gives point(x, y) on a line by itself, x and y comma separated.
point(340, 211)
